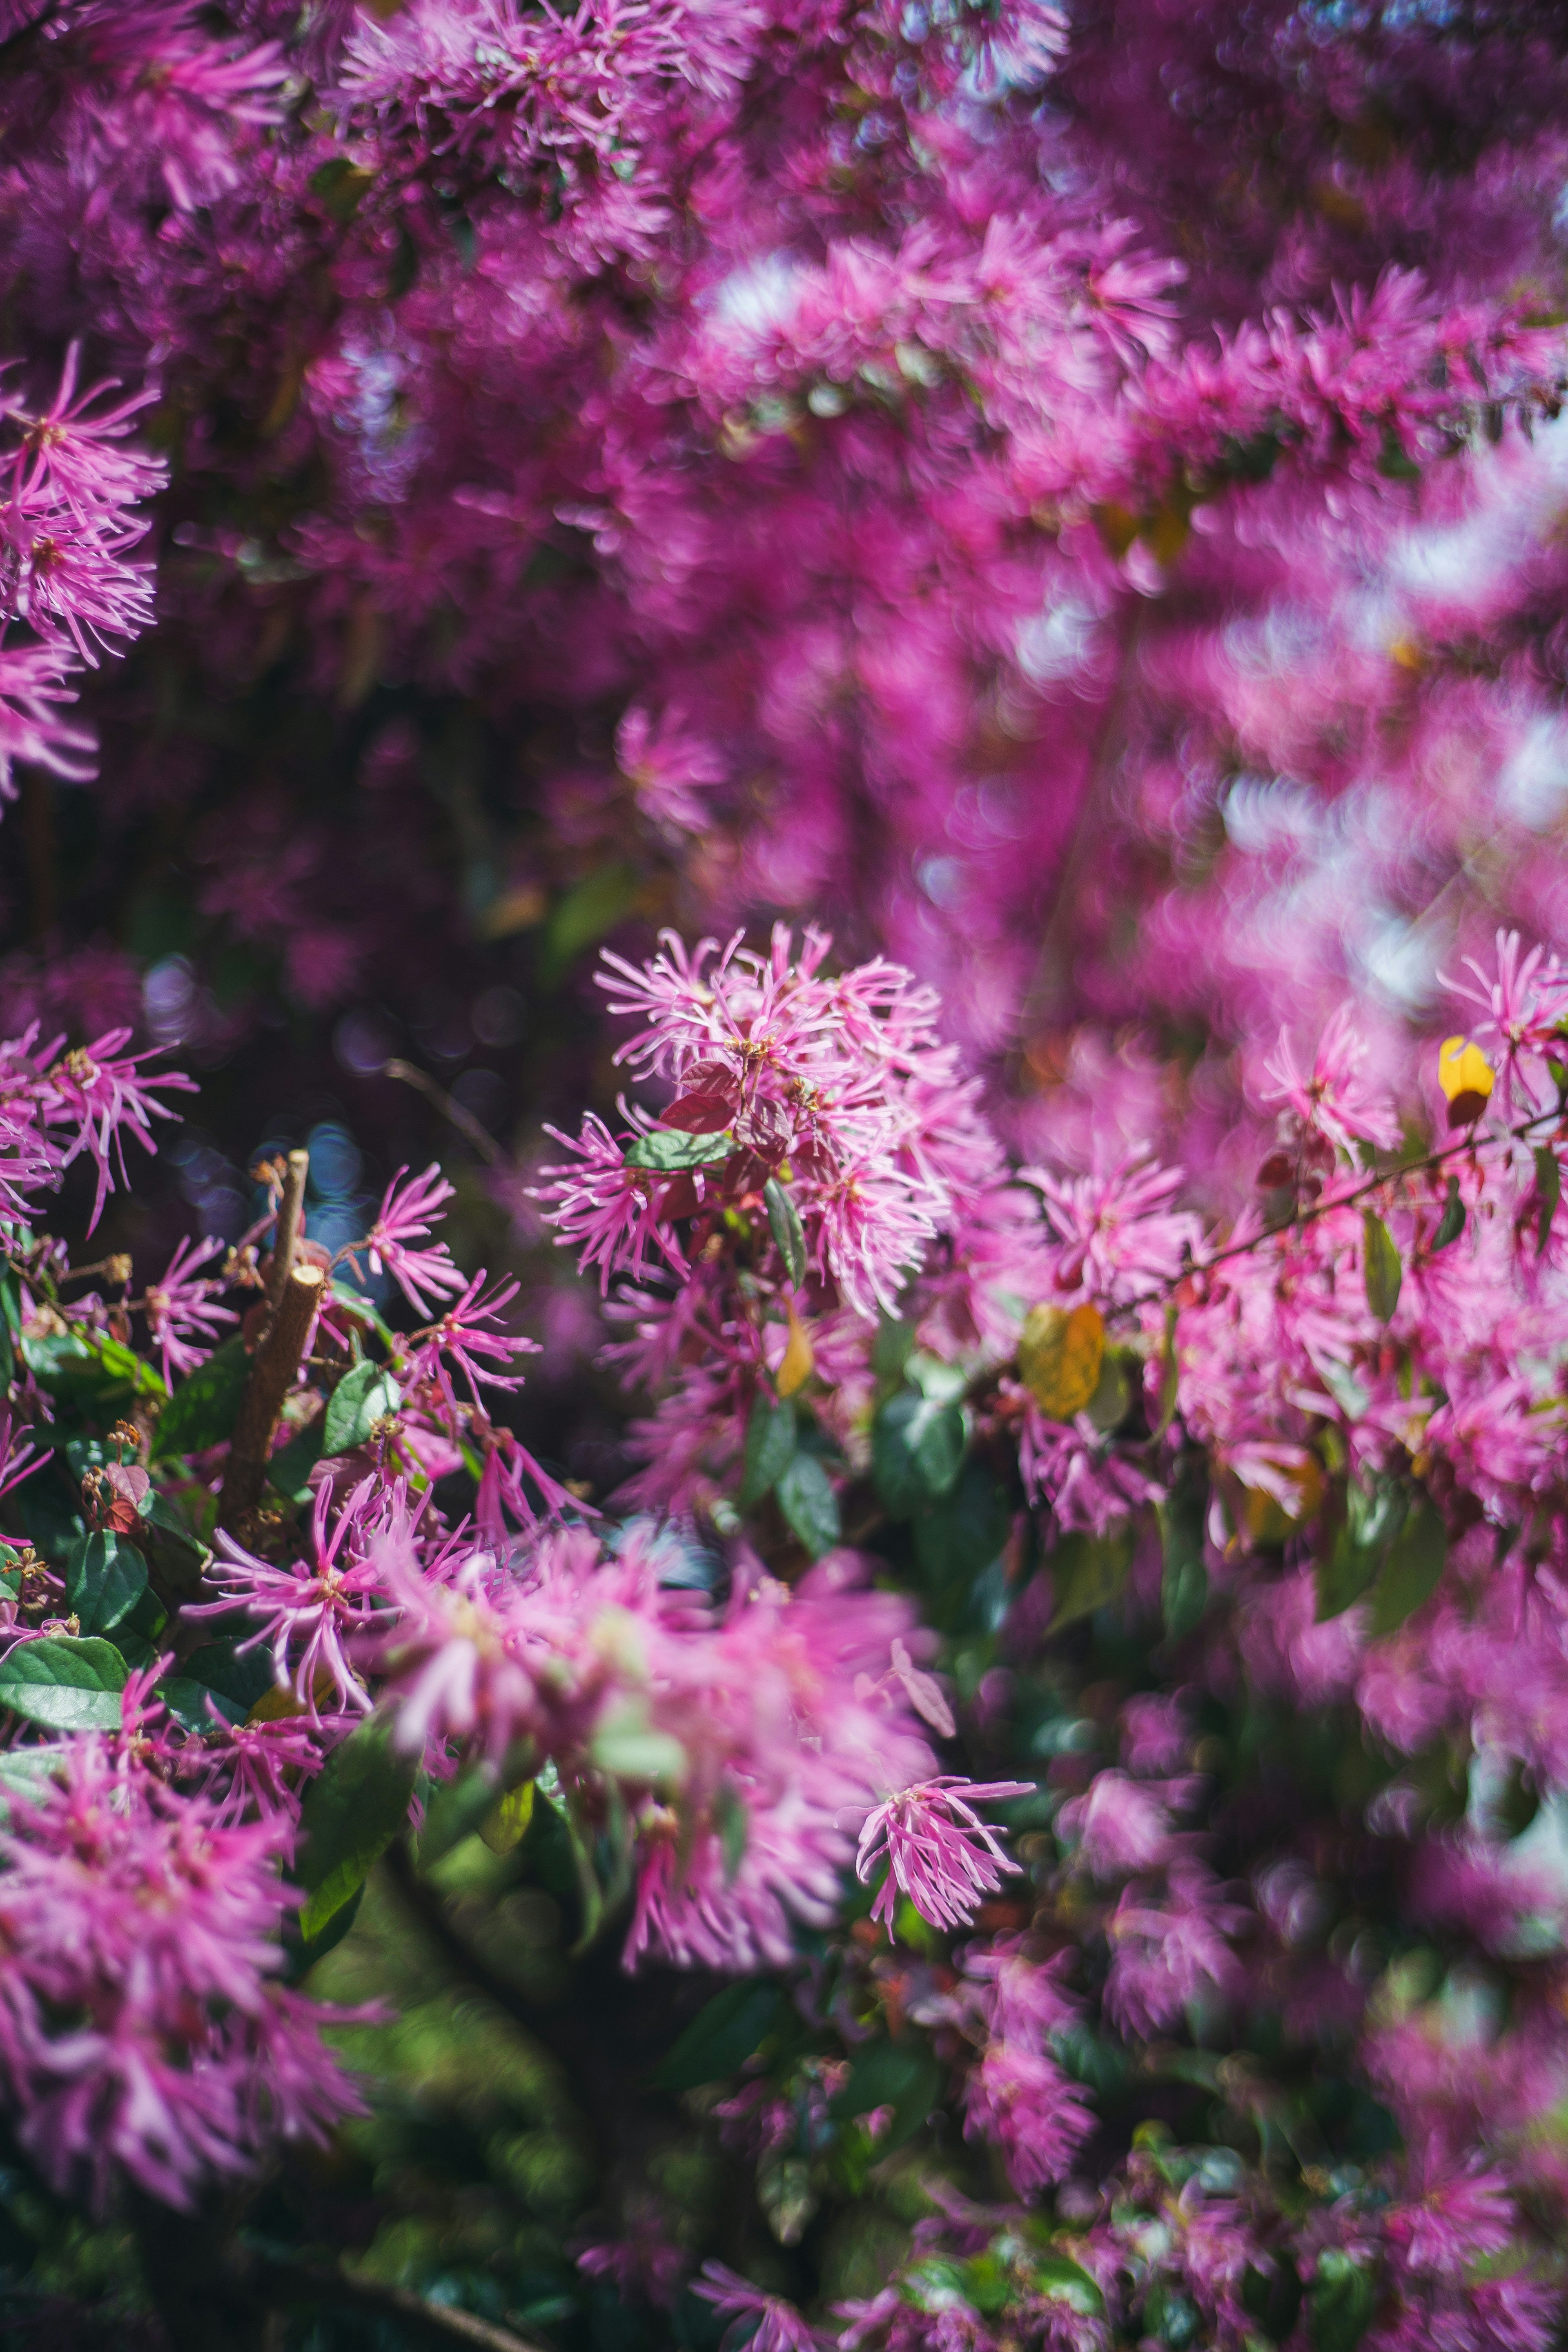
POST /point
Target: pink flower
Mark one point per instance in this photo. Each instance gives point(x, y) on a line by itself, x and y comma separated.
point(180, 1309)
point(779, 2327)
point(312, 1609)
point(1331, 1098)
point(138, 2032)
point(405, 1215)
point(938, 1851)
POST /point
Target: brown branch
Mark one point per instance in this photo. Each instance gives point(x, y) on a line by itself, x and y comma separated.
point(285, 1234)
point(273, 1371)
point(438, 2323)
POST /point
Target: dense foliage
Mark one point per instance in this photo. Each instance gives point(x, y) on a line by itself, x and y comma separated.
point(936, 1719)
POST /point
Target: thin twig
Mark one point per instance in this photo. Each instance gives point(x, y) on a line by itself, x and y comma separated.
point(1301, 1218)
point(273, 1370)
point(465, 1122)
point(440, 2323)
point(286, 1234)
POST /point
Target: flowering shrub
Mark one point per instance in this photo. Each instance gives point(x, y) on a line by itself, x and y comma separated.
point(969, 1752)
point(1242, 2024)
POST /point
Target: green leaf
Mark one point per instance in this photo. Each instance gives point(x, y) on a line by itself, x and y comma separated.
point(770, 1442)
point(589, 909)
point(720, 2037)
point(916, 1450)
point(105, 1577)
point(903, 2075)
point(957, 1539)
point(457, 1811)
point(1340, 2303)
point(1381, 1268)
point(290, 1467)
point(64, 1684)
point(93, 1370)
point(668, 1150)
point(340, 184)
point(1374, 1513)
point(784, 1223)
point(181, 1556)
point(1184, 1577)
point(238, 1676)
point(1273, 2296)
point(1088, 1573)
point(1411, 1572)
point(186, 1700)
point(51, 1514)
point(363, 1397)
point(810, 1504)
point(1549, 1191)
point(203, 1410)
point(353, 1810)
point(1452, 1223)
point(506, 1824)
point(1065, 2281)
point(1343, 1387)
point(629, 1747)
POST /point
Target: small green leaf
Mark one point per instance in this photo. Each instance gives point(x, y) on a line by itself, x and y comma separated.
point(203, 1410)
point(1343, 1387)
point(353, 1810)
point(63, 1683)
point(239, 1676)
point(1086, 1572)
point(506, 1823)
point(1340, 2303)
point(589, 908)
point(1381, 1268)
point(629, 1747)
point(1411, 1572)
point(1065, 2281)
point(784, 1223)
point(669, 1150)
point(720, 2037)
point(1374, 1513)
point(181, 1556)
point(456, 1810)
point(290, 1467)
point(365, 1395)
point(105, 1577)
point(770, 1443)
point(340, 184)
point(903, 2075)
point(187, 1701)
point(810, 1504)
point(1549, 1192)
point(916, 1450)
point(90, 1368)
point(1183, 1579)
point(1452, 1223)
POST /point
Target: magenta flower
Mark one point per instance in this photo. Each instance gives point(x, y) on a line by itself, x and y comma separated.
point(938, 1851)
point(1332, 1098)
point(779, 2327)
point(138, 2032)
point(183, 1321)
point(423, 1275)
point(311, 1610)
point(97, 1090)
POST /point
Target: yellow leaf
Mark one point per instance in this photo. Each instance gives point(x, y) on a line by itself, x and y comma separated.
point(1269, 1519)
point(1059, 1357)
point(796, 1367)
point(1464, 1076)
point(279, 1702)
point(507, 1825)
